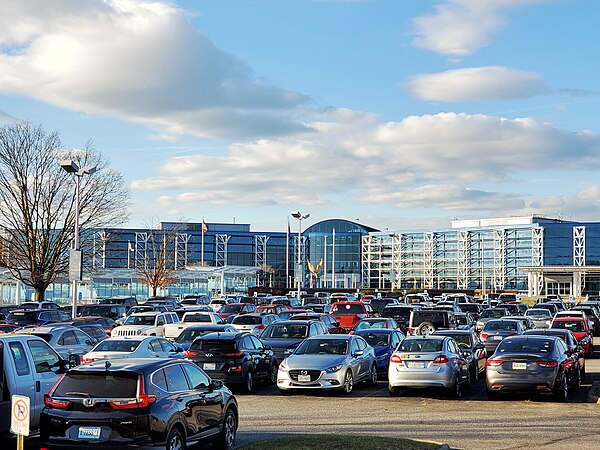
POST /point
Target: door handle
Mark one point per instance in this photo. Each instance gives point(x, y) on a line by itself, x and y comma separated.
point(38, 386)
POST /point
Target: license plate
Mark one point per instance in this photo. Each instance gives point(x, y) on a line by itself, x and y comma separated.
point(416, 365)
point(209, 366)
point(519, 366)
point(497, 338)
point(89, 433)
point(304, 378)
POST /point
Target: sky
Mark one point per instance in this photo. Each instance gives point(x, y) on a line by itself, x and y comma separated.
point(398, 114)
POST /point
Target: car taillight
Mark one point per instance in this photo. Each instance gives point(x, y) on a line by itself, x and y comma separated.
point(493, 362)
point(440, 359)
point(260, 327)
point(547, 363)
point(232, 355)
point(484, 335)
point(189, 353)
point(142, 399)
point(54, 403)
point(86, 360)
point(396, 359)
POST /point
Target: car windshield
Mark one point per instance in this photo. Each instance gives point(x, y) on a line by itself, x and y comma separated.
point(247, 320)
point(500, 325)
point(492, 314)
point(124, 345)
point(96, 310)
point(537, 312)
point(21, 316)
point(283, 331)
point(509, 345)
point(323, 347)
point(575, 326)
point(376, 339)
point(140, 320)
point(368, 324)
point(419, 345)
point(347, 309)
point(230, 308)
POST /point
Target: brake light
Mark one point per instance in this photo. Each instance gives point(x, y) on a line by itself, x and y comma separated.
point(483, 335)
point(396, 359)
point(440, 359)
point(86, 360)
point(142, 399)
point(547, 363)
point(189, 354)
point(54, 403)
point(493, 362)
point(232, 355)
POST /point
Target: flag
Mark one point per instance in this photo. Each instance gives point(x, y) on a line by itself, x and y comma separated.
point(129, 246)
point(204, 226)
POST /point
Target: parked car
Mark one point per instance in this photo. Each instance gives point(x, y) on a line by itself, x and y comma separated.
point(540, 317)
point(577, 352)
point(490, 314)
point(379, 303)
point(106, 323)
point(549, 306)
point(173, 330)
point(348, 314)
point(375, 323)
point(36, 317)
point(187, 336)
point(126, 301)
point(471, 348)
point(133, 347)
point(465, 321)
point(384, 341)
point(270, 309)
point(474, 309)
point(288, 313)
point(428, 362)
point(322, 308)
point(145, 324)
point(65, 339)
point(238, 359)
point(532, 364)
point(328, 362)
point(28, 367)
point(112, 311)
point(497, 329)
point(93, 330)
point(580, 328)
point(253, 323)
point(593, 313)
point(236, 308)
point(400, 313)
point(165, 403)
point(426, 321)
point(285, 335)
point(515, 309)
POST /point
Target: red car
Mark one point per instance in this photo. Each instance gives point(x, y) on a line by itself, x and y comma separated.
point(231, 309)
point(348, 314)
point(580, 328)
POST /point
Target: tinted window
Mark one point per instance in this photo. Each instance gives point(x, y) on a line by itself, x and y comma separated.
point(198, 379)
point(377, 339)
point(347, 309)
point(68, 338)
point(492, 313)
point(176, 380)
point(215, 347)
point(98, 385)
point(44, 358)
point(257, 344)
point(197, 318)
point(283, 331)
point(501, 325)
point(117, 346)
point(19, 357)
point(158, 378)
point(247, 320)
point(571, 326)
point(247, 343)
point(421, 345)
point(402, 313)
point(508, 345)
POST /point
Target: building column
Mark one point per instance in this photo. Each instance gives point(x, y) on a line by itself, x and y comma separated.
point(576, 286)
point(530, 284)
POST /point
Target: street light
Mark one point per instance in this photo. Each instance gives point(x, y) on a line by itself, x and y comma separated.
point(75, 260)
point(298, 215)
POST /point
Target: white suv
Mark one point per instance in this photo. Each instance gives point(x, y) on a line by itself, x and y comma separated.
point(145, 324)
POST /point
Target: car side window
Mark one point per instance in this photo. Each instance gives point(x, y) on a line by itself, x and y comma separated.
point(44, 358)
point(19, 357)
point(176, 380)
point(452, 347)
point(362, 345)
point(166, 345)
point(247, 343)
point(313, 331)
point(160, 320)
point(68, 338)
point(159, 380)
point(81, 336)
point(354, 346)
point(198, 379)
point(257, 344)
point(154, 346)
point(168, 318)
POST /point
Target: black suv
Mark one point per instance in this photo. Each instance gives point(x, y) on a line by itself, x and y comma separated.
point(400, 313)
point(128, 302)
point(236, 358)
point(142, 402)
point(426, 321)
point(113, 312)
point(36, 317)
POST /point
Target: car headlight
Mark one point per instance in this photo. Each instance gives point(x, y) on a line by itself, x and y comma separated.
point(334, 368)
point(283, 366)
point(139, 331)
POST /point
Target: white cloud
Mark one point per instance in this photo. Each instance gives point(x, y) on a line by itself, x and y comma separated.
point(476, 83)
point(431, 161)
point(458, 28)
point(7, 118)
point(137, 60)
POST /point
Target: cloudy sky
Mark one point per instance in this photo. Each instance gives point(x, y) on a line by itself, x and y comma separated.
point(399, 114)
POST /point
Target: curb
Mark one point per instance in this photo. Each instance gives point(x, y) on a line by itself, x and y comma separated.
point(594, 394)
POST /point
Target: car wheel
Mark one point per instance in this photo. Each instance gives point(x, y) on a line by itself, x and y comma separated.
point(248, 382)
point(492, 395)
point(373, 376)
point(425, 328)
point(455, 389)
point(175, 440)
point(561, 390)
point(394, 391)
point(348, 382)
point(475, 375)
point(273, 375)
point(227, 436)
point(577, 384)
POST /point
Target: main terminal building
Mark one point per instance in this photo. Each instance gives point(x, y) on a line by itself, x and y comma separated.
point(533, 255)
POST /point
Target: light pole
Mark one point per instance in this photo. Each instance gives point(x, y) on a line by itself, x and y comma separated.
point(75, 259)
point(298, 215)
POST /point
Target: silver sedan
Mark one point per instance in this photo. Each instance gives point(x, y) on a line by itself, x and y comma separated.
point(335, 362)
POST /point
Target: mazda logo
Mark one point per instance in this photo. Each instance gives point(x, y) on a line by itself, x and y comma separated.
point(303, 372)
point(209, 355)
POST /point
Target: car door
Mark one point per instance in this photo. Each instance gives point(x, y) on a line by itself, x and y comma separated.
point(265, 357)
point(185, 400)
point(22, 374)
point(356, 361)
point(461, 365)
point(84, 343)
point(67, 344)
point(207, 411)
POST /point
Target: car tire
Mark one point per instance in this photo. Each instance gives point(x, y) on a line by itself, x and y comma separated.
point(425, 328)
point(561, 388)
point(175, 440)
point(348, 385)
point(577, 384)
point(248, 385)
point(285, 391)
point(227, 437)
point(372, 381)
point(492, 395)
point(394, 391)
point(475, 375)
point(455, 390)
point(273, 374)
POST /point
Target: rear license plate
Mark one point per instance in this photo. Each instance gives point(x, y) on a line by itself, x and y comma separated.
point(89, 433)
point(519, 366)
point(497, 338)
point(209, 366)
point(304, 378)
point(416, 365)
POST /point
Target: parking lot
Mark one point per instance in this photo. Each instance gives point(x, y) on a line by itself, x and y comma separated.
point(472, 422)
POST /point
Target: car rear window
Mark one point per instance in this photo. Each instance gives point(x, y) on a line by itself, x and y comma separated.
point(230, 309)
point(29, 316)
point(216, 347)
point(427, 316)
point(376, 339)
point(98, 385)
point(117, 346)
point(508, 345)
point(247, 320)
point(575, 326)
point(197, 318)
point(420, 345)
point(280, 331)
point(347, 309)
point(396, 312)
point(492, 313)
point(501, 325)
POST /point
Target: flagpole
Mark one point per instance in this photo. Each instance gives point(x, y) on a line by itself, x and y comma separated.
point(325, 262)
point(287, 255)
point(333, 260)
point(202, 249)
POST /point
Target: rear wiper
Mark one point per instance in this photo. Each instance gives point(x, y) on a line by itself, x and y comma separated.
point(81, 394)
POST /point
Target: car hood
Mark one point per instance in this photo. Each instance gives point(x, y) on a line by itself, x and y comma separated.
point(314, 362)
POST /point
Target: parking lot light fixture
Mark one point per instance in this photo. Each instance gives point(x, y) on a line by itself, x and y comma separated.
point(298, 215)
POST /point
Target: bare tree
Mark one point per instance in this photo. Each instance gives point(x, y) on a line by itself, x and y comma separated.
point(37, 202)
point(156, 267)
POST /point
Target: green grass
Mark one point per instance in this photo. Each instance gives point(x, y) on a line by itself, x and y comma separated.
point(340, 442)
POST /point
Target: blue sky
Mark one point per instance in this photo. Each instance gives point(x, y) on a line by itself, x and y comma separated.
point(402, 114)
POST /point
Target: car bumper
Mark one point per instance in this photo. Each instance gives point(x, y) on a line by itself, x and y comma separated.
point(326, 380)
point(416, 378)
point(542, 382)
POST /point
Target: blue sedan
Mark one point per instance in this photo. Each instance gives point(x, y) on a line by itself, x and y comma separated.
point(384, 341)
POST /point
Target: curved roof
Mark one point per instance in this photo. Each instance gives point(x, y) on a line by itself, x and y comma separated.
point(340, 225)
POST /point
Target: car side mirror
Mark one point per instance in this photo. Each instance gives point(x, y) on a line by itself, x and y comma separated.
point(358, 353)
point(88, 342)
point(216, 385)
point(74, 361)
point(288, 352)
point(267, 347)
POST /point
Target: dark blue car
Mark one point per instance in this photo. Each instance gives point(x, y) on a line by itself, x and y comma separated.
point(384, 341)
point(187, 336)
